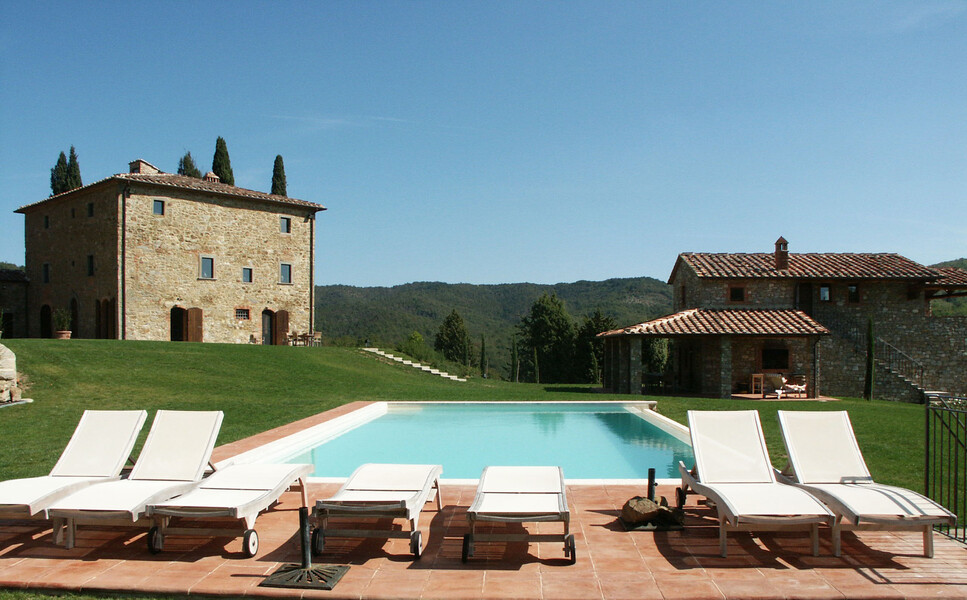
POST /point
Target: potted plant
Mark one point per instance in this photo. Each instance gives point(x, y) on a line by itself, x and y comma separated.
point(62, 324)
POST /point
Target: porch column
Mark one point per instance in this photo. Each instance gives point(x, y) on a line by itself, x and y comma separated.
point(725, 366)
point(634, 365)
point(624, 348)
point(814, 384)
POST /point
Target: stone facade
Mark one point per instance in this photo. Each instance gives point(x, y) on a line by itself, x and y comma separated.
point(13, 303)
point(165, 257)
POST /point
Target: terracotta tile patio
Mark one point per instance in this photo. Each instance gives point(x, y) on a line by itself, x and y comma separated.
point(612, 563)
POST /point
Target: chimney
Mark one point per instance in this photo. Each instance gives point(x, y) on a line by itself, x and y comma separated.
point(210, 176)
point(143, 167)
point(782, 254)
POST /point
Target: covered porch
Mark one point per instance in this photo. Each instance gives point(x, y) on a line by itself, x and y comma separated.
point(717, 353)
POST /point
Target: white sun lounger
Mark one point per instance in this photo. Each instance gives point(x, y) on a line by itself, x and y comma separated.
point(520, 495)
point(380, 491)
point(96, 452)
point(734, 472)
point(172, 462)
point(240, 491)
point(826, 461)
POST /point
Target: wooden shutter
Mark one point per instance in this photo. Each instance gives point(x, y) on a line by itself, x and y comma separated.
point(281, 329)
point(196, 331)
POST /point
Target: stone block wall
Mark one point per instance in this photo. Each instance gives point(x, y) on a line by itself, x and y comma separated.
point(13, 301)
point(163, 256)
point(62, 234)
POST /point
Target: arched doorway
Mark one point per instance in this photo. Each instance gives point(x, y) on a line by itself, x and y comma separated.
point(46, 324)
point(275, 327)
point(187, 325)
point(268, 329)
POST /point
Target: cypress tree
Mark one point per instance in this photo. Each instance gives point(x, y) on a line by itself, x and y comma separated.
point(73, 172)
point(483, 357)
point(58, 176)
point(187, 167)
point(221, 163)
point(278, 177)
point(514, 361)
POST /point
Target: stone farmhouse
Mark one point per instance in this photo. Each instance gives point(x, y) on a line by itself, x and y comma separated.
point(803, 315)
point(147, 255)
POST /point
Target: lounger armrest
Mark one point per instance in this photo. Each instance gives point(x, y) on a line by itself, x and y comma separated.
point(360, 508)
point(687, 478)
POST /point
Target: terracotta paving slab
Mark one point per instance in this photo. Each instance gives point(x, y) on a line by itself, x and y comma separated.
point(612, 563)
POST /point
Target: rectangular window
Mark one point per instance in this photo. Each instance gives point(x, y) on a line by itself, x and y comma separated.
point(246, 275)
point(775, 359)
point(736, 293)
point(824, 293)
point(159, 207)
point(682, 299)
point(72, 213)
point(90, 265)
point(45, 273)
point(853, 293)
point(285, 273)
point(285, 225)
point(46, 222)
point(242, 314)
point(90, 209)
point(207, 268)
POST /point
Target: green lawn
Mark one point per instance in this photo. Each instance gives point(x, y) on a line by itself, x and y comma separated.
point(261, 387)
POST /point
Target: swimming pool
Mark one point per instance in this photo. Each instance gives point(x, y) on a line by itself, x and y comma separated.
point(589, 440)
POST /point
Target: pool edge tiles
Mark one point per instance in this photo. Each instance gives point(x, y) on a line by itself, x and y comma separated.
point(288, 448)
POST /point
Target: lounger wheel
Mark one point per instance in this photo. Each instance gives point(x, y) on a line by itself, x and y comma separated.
point(680, 497)
point(416, 544)
point(318, 541)
point(250, 543)
point(570, 549)
point(156, 540)
point(467, 548)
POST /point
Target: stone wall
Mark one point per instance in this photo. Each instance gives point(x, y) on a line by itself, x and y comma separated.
point(163, 264)
point(61, 234)
point(13, 301)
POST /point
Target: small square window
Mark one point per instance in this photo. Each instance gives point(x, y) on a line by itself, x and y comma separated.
point(285, 225)
point(90, 209)
point(285, 273)
point(242, 314)
point(90, 265)
point(824, 293)
point(736, 294)
point(159, 207)
point(853, 294)
point(45, 273)
point(246, 275)
point(207, 267)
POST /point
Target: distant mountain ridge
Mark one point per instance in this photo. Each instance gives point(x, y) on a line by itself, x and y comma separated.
point(388, 315)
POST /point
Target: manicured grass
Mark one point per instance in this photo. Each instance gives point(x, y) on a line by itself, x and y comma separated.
point(261, 387)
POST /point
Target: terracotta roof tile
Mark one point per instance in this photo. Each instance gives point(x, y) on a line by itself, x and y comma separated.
point(189, 183)
point(698, 321)
point(762, 265)
point(951, 277)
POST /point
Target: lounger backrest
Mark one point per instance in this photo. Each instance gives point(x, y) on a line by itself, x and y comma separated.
point(179, 445)
point(101, 443)
point(729, 447)
point(822, 447)
point(522, 480)
point(393, 478)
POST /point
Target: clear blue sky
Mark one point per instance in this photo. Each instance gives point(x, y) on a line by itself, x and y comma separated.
point(491, 142)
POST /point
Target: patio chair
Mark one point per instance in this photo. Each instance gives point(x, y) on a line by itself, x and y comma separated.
point(520, 495)
point(239, 491)
point(380, 491)
point(825, 460)
point(172, 462)
point(734, 472)
point(96, 452)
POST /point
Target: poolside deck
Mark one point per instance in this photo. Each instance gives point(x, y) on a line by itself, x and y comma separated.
point(612, 563)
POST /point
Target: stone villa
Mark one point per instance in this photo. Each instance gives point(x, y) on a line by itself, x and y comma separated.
point(740, 315)
point(147, 255)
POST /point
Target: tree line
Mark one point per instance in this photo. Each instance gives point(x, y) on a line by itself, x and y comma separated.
point(66, 172)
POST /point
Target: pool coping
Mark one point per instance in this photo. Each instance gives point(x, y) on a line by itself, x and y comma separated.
point(284, 441)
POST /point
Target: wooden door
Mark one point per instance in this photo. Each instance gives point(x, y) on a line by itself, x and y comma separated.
point(196, 330)
point(280, 328)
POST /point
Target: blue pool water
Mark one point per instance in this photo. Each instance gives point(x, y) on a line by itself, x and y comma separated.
point(590, 441)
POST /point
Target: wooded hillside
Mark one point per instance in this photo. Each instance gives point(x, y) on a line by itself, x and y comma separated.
point(387, 316)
